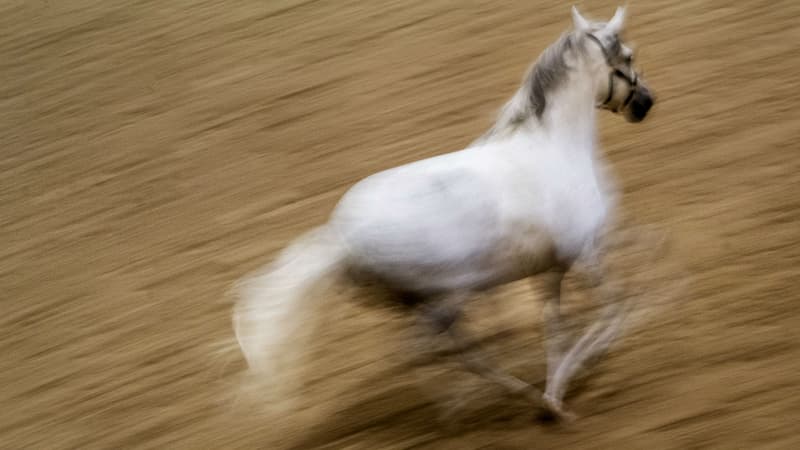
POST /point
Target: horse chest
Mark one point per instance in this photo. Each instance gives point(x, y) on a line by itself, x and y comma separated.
point(577, 213)
point(569, 202)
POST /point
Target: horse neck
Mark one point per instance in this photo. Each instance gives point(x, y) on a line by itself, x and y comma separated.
point(569, 121)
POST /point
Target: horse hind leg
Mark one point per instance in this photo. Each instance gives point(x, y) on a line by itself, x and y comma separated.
point(475, 361)
point(443, 316)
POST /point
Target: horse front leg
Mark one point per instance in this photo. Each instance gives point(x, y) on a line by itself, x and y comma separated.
point(596, 339)
point(554, 339)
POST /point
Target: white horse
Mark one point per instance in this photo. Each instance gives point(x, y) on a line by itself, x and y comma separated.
point(527, 198)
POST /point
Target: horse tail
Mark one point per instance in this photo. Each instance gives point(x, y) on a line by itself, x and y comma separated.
point(274, 310)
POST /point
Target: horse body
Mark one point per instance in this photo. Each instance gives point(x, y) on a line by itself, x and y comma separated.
point(475, 218)
point(529, 196)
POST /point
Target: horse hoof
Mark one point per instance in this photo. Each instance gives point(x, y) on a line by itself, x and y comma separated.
point(555, 410)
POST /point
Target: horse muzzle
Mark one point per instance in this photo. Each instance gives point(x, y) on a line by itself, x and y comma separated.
point(640, 104)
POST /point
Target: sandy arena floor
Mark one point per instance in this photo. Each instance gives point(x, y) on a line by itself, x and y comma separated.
point(153, 152)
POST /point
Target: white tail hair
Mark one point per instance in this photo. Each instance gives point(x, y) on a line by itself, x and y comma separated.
point(273, 312)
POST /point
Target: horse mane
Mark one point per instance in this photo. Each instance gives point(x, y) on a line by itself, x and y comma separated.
point(543, 77)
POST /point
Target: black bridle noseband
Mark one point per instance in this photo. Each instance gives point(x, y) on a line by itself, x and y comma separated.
point(632, 82)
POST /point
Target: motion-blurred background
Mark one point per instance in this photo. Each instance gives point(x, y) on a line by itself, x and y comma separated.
point(153, 152)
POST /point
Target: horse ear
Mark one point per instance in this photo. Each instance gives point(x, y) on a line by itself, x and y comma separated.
point(618, 21)
point(578, 21)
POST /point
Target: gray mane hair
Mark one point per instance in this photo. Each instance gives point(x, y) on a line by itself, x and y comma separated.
point(542, 78)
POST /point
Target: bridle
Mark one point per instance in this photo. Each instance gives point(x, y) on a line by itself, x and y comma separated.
point(632, 82)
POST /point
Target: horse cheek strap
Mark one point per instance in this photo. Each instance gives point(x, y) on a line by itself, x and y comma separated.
point(610, 88)
point(612, 74)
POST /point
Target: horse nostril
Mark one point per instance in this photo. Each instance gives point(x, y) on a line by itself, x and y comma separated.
point(647, 103)
point(640, 106)
point(640, 109)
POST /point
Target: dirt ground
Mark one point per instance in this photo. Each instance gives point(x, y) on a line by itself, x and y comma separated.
point(154, 152)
